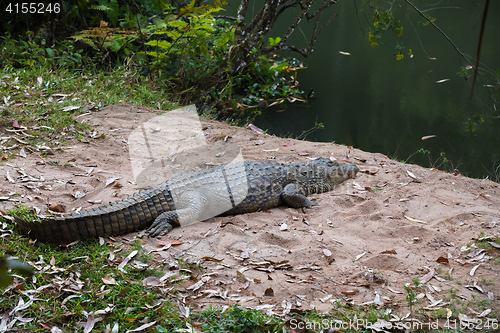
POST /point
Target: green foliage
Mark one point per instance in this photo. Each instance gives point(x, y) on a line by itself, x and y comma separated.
point(184, 48)
point(105, 40)
point(34, 51)
point(473, 123)
point(274, 41)
point(305, 133)
point(399, 51)
point(190, 54)
point(196, 7)
point(428, 20)
point(266, 81)
point(22, 212)
point(111, 8)
point(185, 37)
point(441, 162)
point(236, 319)
point(8, 264)
point(424, 152)
point(411, 294)
point(465, 72)
point(19, 267)
point(382, 22)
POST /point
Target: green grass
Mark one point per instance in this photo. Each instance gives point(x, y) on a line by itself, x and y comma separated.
point(32, 104)
point(79, 271)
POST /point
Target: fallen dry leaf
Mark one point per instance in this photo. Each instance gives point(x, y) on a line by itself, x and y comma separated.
point(172, 242)
point(484, 313)
point(393, 290)
point(473, 270)
point(411, 175)
point(57, 207)
point(196, 286)
point(269, 292)
point(326, 298)
point(129, 257)
point(495, 245)
point(110, 181)
point(108, 280)
point(151, 281)
point(78, 194)
point(443, 260)
point(9, 178)
point(427, 276)
point(255, 129)
point(70, 108)
point(142, 327)
point(414, 220)
point(357, 186)
point(89, 325)
point(212, 259)
point(349, 292)
point(359, 256)
point(493, 252)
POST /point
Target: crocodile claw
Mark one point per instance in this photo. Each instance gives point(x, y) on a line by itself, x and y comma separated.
point(160, 230)
point(163, 224)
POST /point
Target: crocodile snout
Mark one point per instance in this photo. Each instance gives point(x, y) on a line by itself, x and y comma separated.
point(352, 170)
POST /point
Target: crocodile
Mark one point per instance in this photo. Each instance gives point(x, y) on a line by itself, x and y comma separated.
point(234, 188)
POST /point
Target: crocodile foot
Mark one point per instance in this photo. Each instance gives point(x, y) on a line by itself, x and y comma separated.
point(163, 224)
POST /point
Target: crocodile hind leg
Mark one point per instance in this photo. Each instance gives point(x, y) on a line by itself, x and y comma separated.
point(165, 222)
point(293, 196)
point(189, 208)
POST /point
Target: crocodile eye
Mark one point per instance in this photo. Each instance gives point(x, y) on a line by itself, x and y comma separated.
point(331, 163)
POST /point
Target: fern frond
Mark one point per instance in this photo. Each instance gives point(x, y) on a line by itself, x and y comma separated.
point(101, 7)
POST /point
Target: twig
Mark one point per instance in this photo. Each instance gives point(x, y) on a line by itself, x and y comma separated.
point(144, 47)
point(232, 18)
point(481, 33)
point(453, 44)
point(441, 31)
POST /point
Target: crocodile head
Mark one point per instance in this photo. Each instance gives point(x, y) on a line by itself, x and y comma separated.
point(337, 173)
point(343, 172)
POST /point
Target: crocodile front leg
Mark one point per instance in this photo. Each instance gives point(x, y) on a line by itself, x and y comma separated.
point(293, 196)
point(190, 206)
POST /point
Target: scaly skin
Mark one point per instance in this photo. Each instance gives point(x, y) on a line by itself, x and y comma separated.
point(235, 188)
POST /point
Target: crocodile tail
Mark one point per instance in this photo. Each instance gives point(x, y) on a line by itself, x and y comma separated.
point(119, 217)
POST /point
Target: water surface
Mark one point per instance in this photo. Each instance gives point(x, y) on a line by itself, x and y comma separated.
point(373, 102)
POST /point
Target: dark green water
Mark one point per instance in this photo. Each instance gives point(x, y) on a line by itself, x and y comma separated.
point(373, 102)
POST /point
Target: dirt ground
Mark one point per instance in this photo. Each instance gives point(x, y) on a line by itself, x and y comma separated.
point(392, 224)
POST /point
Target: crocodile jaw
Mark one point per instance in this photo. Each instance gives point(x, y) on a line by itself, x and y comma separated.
point(343, 172)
